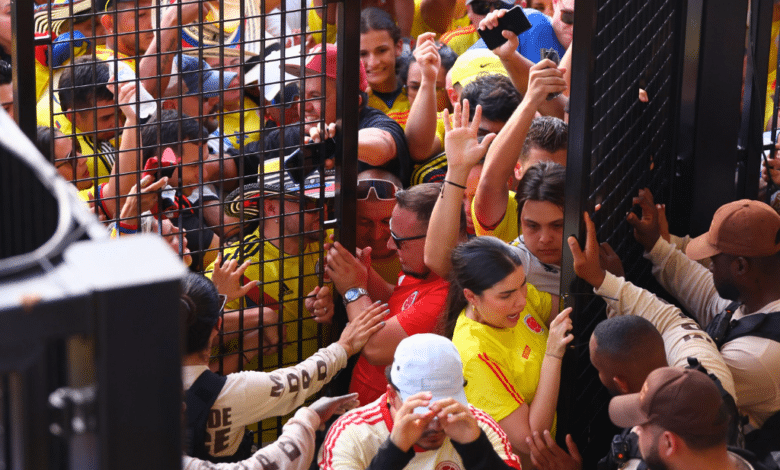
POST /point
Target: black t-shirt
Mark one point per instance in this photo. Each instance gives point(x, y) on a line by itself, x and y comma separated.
point(256, 152)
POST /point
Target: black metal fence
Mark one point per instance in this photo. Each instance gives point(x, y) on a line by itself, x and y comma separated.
point(645, 85)
point(201, 105)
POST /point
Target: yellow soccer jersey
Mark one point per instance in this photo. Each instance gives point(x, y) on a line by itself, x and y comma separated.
point(252, 125)
point(502, 366)
point(315, 24)
point(281, 284)
point(419, 26)
point(508, 229)
point(459, 40)
point(399, 111)
point(388, 268)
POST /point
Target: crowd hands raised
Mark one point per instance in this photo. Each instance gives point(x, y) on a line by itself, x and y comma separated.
point(462, 155)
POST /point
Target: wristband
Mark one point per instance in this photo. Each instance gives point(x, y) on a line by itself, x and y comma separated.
point(455, 184)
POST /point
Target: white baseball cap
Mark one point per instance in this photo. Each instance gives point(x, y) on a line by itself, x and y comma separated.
point(428, 363)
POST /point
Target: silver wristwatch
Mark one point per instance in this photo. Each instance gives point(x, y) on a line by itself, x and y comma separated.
point(353, 294)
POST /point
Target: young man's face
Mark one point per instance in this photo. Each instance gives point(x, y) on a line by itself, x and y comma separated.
point(101, 120)
point(319, 104)
point(126, 29)
point(373, 226)
point(191, 158)
point(542, 225)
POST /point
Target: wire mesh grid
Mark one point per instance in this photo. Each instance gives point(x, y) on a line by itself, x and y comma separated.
point(631, 117)
point(210, 108)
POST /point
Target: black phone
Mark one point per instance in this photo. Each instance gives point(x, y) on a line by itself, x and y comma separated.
point(304, 160)
point(514, 20)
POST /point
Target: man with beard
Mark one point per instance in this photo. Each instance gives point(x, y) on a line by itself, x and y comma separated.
point(417, 300)
point(423, 421)
point(681, 421)
point(743, 244)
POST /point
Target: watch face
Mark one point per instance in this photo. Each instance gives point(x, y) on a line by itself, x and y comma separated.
point(352, 294)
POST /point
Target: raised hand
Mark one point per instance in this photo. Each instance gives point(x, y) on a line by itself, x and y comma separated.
point(461, 140)
point(426, 54)
point(319, 303)
point(560, 334)
point(544, 78)
point(227, 278)
point(409, 426)
point(344, 269)
point(510, 46)
point(647, 230)
point(587, 264)
point(457, 420)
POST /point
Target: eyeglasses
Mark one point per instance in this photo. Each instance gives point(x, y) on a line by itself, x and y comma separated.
point(383, 190)
point(481, 7)
point(400, 240)
point(567, 17)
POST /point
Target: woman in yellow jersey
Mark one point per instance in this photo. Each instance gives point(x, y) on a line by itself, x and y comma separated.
point(380, 48)
point(511, 353)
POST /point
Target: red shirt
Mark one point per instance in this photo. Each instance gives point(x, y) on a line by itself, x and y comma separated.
point(417, 304)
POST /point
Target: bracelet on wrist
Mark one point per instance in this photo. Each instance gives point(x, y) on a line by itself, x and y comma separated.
point(455, 184)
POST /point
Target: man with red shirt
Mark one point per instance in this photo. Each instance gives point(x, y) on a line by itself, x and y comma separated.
point(415, 303)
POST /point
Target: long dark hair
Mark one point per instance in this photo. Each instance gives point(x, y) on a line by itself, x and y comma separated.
point(200, 308)
point(477, 265)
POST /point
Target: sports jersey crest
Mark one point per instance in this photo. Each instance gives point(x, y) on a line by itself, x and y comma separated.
point(447, 465)
point(532, 324)
point(410, 300)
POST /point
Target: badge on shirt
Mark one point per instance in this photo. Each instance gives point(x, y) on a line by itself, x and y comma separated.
point(532, 324)
point(410, 300)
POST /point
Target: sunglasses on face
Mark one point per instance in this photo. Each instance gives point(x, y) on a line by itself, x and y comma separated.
point(399, 241)
point(383, 190)
point(481, 7)
point(567, 17)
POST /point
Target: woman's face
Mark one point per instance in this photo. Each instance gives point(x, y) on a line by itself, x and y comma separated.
point(378, 53)
point(69, 162)
point(502, 305)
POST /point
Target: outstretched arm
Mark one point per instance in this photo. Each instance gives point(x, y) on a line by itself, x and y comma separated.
point(490, 201)
point(463, 152)
point(420, 128)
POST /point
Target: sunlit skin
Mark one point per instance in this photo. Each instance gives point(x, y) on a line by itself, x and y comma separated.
point(472, 181)
point(542, 226)
point(125, 27)
point(545, 6)
point(501, 305)
point(404, 224)
point(379, 53)
point(373, 227)
point(414, 79)
point(62, 148)
point(563, 31)
point(105, 116)
point(314, 103)
point(190, 167)
point(7, 98)
point(536, 155)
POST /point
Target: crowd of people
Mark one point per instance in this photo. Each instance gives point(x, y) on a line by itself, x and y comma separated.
point(218, 130)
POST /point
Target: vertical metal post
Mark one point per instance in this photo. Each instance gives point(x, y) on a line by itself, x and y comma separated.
point(23, 57)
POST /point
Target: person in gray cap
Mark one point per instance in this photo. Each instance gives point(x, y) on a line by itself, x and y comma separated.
point(423, 421)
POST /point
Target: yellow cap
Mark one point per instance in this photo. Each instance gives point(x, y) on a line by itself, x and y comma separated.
point(473, 63)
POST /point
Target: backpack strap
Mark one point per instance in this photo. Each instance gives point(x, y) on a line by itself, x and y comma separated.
point(763, 325)
point(200, 397)
point(719, 326)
